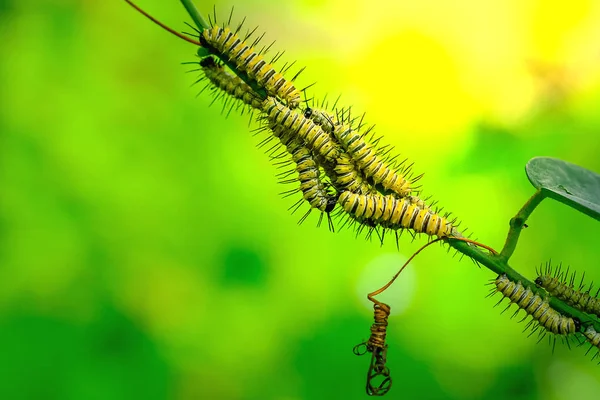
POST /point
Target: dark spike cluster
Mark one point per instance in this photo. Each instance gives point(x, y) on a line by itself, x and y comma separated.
point(228, 45)
point(544, 319)
point(562, 283)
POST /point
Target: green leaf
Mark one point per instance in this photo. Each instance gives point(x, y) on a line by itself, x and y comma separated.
point(565, 182)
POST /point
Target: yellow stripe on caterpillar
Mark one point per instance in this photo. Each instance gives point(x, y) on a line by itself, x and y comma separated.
point(230, 83)
point(536, 306)
point(576, 298)
point(246, 59)
point(311, 134)
point(322, 118)
point(348, 177)
point(313, 189)
point(373, 165)
point(393, 213)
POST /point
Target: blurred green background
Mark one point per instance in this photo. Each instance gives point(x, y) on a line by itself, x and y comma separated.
point(145, 251)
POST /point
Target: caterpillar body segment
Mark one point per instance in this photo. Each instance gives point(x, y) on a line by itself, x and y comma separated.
point(392, 213)
point(229, 83)
point(314, 189)
point(347, 176)
point(228, 44)
point(371, 162)
point(593, 337)
point(583, 301)
point(537, 307)
point(293, 121)
point(562, 287)
point(322, 118)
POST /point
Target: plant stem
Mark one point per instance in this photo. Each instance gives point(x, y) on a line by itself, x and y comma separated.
point(517, 223)
point(500, 266)
point(195, 15)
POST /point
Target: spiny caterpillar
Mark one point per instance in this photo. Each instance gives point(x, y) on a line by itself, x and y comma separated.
point(536, 306)
point(230, 84)
point(320, 117)
point(347, 176)
point(279, 115)
point(364, 157)
point(313, 189)
point(370, 161)
point(246, 59)
point(555, 283)
point(393, 213)
point(311, 186)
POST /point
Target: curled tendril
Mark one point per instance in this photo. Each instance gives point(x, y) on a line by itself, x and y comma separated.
point(360, 349)
point(378, 371)
point(379, 381)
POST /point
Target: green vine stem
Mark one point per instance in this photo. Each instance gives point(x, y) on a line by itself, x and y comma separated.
point(499, 265)
point(195, 15)
point(517, 223)
point(496, 263)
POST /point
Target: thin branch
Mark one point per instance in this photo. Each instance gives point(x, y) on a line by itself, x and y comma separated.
point(500, 266)
point(195, 15)
point(517, 223)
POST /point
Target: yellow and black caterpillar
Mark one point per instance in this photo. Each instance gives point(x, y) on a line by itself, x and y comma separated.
point(313, 189)
point(393, 213)
point(229, 45)
point(305, 129)
point(375, 166)
point(534, 305)
point(355, 171)
point(366, 157)
point(229, 83)
point(557, 287)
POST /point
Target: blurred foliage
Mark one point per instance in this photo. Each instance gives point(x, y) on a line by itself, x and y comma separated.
point(145, 251)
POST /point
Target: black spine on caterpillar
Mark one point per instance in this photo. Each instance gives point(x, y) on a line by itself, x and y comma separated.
point(577, 298)
point(246, 59)
point(311, 134)
point(370, 162)
point(347, 176)
point(393, 213)
point(313, 189)
point(537, 307)
point(322, 118)
point(230, 83)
